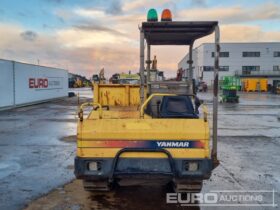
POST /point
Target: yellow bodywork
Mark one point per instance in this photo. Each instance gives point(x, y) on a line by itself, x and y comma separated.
point(255, 84)
point(117, 95)
point(123, 122)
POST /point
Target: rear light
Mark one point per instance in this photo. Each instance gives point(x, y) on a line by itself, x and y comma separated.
point(94, 166)
point(191, 166)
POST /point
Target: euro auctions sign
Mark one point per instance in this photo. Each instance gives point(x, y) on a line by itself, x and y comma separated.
point(38, 83)
point(225, 198)
point(45, 83)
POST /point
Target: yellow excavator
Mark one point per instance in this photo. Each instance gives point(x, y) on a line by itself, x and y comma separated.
point(99, 78)
point(102, 79)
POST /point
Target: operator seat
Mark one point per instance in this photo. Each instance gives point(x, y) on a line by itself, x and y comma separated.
point(177, 107)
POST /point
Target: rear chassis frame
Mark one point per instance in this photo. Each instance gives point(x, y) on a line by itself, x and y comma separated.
point(109, 171)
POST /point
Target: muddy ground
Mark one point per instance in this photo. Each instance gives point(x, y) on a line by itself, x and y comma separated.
point(37, 148)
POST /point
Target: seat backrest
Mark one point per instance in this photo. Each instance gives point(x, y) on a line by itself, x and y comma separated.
point(177, 107)
point(152, 107)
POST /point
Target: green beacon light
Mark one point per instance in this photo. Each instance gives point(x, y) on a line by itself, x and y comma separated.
point(152, 15)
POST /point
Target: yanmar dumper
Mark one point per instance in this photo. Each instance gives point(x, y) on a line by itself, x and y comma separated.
point(150, 133)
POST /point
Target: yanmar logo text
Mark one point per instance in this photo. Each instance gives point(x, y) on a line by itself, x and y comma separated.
point(175, 144)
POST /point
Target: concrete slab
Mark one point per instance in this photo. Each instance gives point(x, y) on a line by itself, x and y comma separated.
point(37, 152)
point(34, 159)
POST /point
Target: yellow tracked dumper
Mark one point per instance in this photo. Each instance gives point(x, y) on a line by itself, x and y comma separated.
point(150, 133)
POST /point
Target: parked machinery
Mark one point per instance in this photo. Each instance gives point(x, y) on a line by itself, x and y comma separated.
point(255, 84)
point(125, 78)
point(152, 132)
point(95, 78)
point(276, 87)
point(102, 79)
point(98, 78)
point(78, 81)
point(230, 85)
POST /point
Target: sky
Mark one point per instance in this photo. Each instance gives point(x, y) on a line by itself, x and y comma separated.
point(84, 36)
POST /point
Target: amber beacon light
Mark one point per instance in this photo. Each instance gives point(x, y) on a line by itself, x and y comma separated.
point(166, 15)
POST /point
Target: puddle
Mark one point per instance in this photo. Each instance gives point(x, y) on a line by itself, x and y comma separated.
point(8, 168)
point(61, 120)
point(69, 139)
point(71, 167)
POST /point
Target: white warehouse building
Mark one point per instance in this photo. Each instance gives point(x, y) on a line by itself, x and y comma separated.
point(242, 59)
point(23, 84)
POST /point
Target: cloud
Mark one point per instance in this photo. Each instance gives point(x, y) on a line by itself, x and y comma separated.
point(94, 38)
point(125, 24)
point(247, 33)
point(199, 3)
point(115, 7)
point(22, 14)
point(29, 35)
point(98, 28)
point(90, 13)
point(268, 11)
point(140, 4)
point(64, 15)
point(91, 36)
point(242, 33)
point(86, 57)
